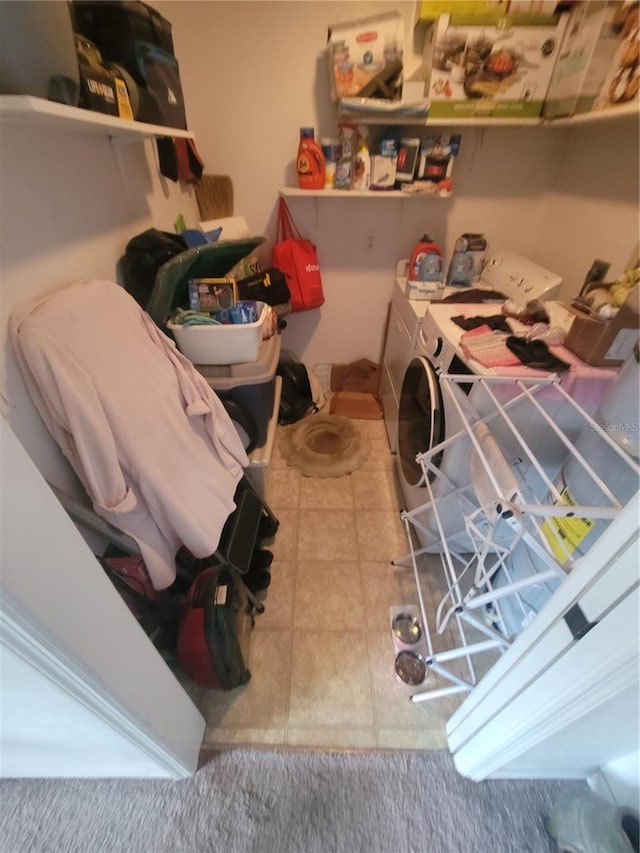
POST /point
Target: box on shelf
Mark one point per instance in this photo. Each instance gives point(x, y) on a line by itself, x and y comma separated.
point(622, 78)
point(483, 11)
point(603, 343)
point(365, 57)
point(223, 344)
point(493, 71)
point(586, 54)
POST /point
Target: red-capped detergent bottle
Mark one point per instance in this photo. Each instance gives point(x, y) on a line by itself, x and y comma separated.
point(311, 163)
point(426, 261)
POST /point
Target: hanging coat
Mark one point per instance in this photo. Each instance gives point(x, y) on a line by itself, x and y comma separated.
point(146, 435)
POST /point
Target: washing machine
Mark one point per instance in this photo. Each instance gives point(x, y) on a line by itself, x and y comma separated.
point(425, 418)
point(405, 317)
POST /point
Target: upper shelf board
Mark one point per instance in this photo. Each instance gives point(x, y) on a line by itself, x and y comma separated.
point(41, 112)
point(595, 117)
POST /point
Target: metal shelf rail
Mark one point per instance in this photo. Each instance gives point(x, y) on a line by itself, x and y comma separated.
point(490, 514)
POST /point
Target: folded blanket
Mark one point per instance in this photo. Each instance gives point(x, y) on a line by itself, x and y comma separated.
point(488, 347)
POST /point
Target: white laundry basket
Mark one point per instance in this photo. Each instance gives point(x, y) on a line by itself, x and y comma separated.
point(225, 344)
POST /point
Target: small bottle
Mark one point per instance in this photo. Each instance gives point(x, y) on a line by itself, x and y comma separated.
point(344, 168)
point(361, 166)
point(311, 163)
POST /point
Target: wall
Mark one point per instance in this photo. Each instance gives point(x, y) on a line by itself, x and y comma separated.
point(255, 72)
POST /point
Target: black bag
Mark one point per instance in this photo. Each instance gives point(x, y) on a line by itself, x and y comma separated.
point(136, 36)
point(144, 255)
point(268, 286)
point(296, 396)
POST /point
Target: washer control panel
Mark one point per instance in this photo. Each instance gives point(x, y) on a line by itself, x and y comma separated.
point(520, 279)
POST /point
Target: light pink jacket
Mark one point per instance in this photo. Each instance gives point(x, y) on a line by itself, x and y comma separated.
point(145, 433)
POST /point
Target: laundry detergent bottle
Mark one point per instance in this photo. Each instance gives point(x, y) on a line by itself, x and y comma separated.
point(426, 261)
point(311, 162)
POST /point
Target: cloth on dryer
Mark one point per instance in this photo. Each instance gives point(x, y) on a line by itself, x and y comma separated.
point(497, 322)
point(488, 347)
point(535, 354)
point(150, 441)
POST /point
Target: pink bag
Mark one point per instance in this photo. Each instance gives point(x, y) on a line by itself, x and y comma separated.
point(297, 259)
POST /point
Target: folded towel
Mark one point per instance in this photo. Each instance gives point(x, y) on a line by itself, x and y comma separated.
point(488, 347)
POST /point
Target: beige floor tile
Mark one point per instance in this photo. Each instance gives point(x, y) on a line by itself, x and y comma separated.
point(381, 535)
point(282, 488)
point(244, 735)
point(330, 684)
point(374, 490)
point(371, 428)
point(328, 597)
point(326, 493)
point(394, 708)
point(380, 458)
point(278, 603)
point(332, 737)
point(262, 702)
point(412, 738)
point(285, 544)
point(326, 535)
point(386, 585)
point(277, 460)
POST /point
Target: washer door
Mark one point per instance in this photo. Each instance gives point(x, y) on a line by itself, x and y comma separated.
point(420, 418)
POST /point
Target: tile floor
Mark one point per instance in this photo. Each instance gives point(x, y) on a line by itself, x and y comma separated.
point(322, 655)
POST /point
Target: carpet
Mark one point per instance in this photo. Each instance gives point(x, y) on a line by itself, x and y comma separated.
point(284, 801)
point(324, 446)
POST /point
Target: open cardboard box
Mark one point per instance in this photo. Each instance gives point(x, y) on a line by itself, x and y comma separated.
point(355, 389)
point(603, 343)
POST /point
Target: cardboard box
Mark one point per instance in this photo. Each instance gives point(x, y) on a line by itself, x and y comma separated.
point(621, 80)
point(362, 376)
point(354, 404)
point(365, 57)
point(484, 11)
point(586, 54)
point(492, 71)
point(603, 343)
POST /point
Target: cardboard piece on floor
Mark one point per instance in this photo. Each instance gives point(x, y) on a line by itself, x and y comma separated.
point(362, 376)
point(355, 404)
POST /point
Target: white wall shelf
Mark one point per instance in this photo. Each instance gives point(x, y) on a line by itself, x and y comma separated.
point(291, 192)
point(624, 111)
point(50, 115)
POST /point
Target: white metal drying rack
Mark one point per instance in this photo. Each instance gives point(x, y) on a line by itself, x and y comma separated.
point(504, 509)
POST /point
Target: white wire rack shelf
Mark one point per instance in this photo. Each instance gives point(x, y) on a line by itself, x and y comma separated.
point(504, 513)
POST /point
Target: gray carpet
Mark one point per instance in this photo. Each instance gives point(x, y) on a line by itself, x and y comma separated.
point(283, 801)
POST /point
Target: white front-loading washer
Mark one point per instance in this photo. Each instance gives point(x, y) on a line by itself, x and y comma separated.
point(425, 416)
point(405, 317)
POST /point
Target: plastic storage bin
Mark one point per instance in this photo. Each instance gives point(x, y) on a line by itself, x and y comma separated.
point(250, 385)
point(224, 344)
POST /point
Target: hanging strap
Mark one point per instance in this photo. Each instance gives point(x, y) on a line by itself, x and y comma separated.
point(286, 227)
